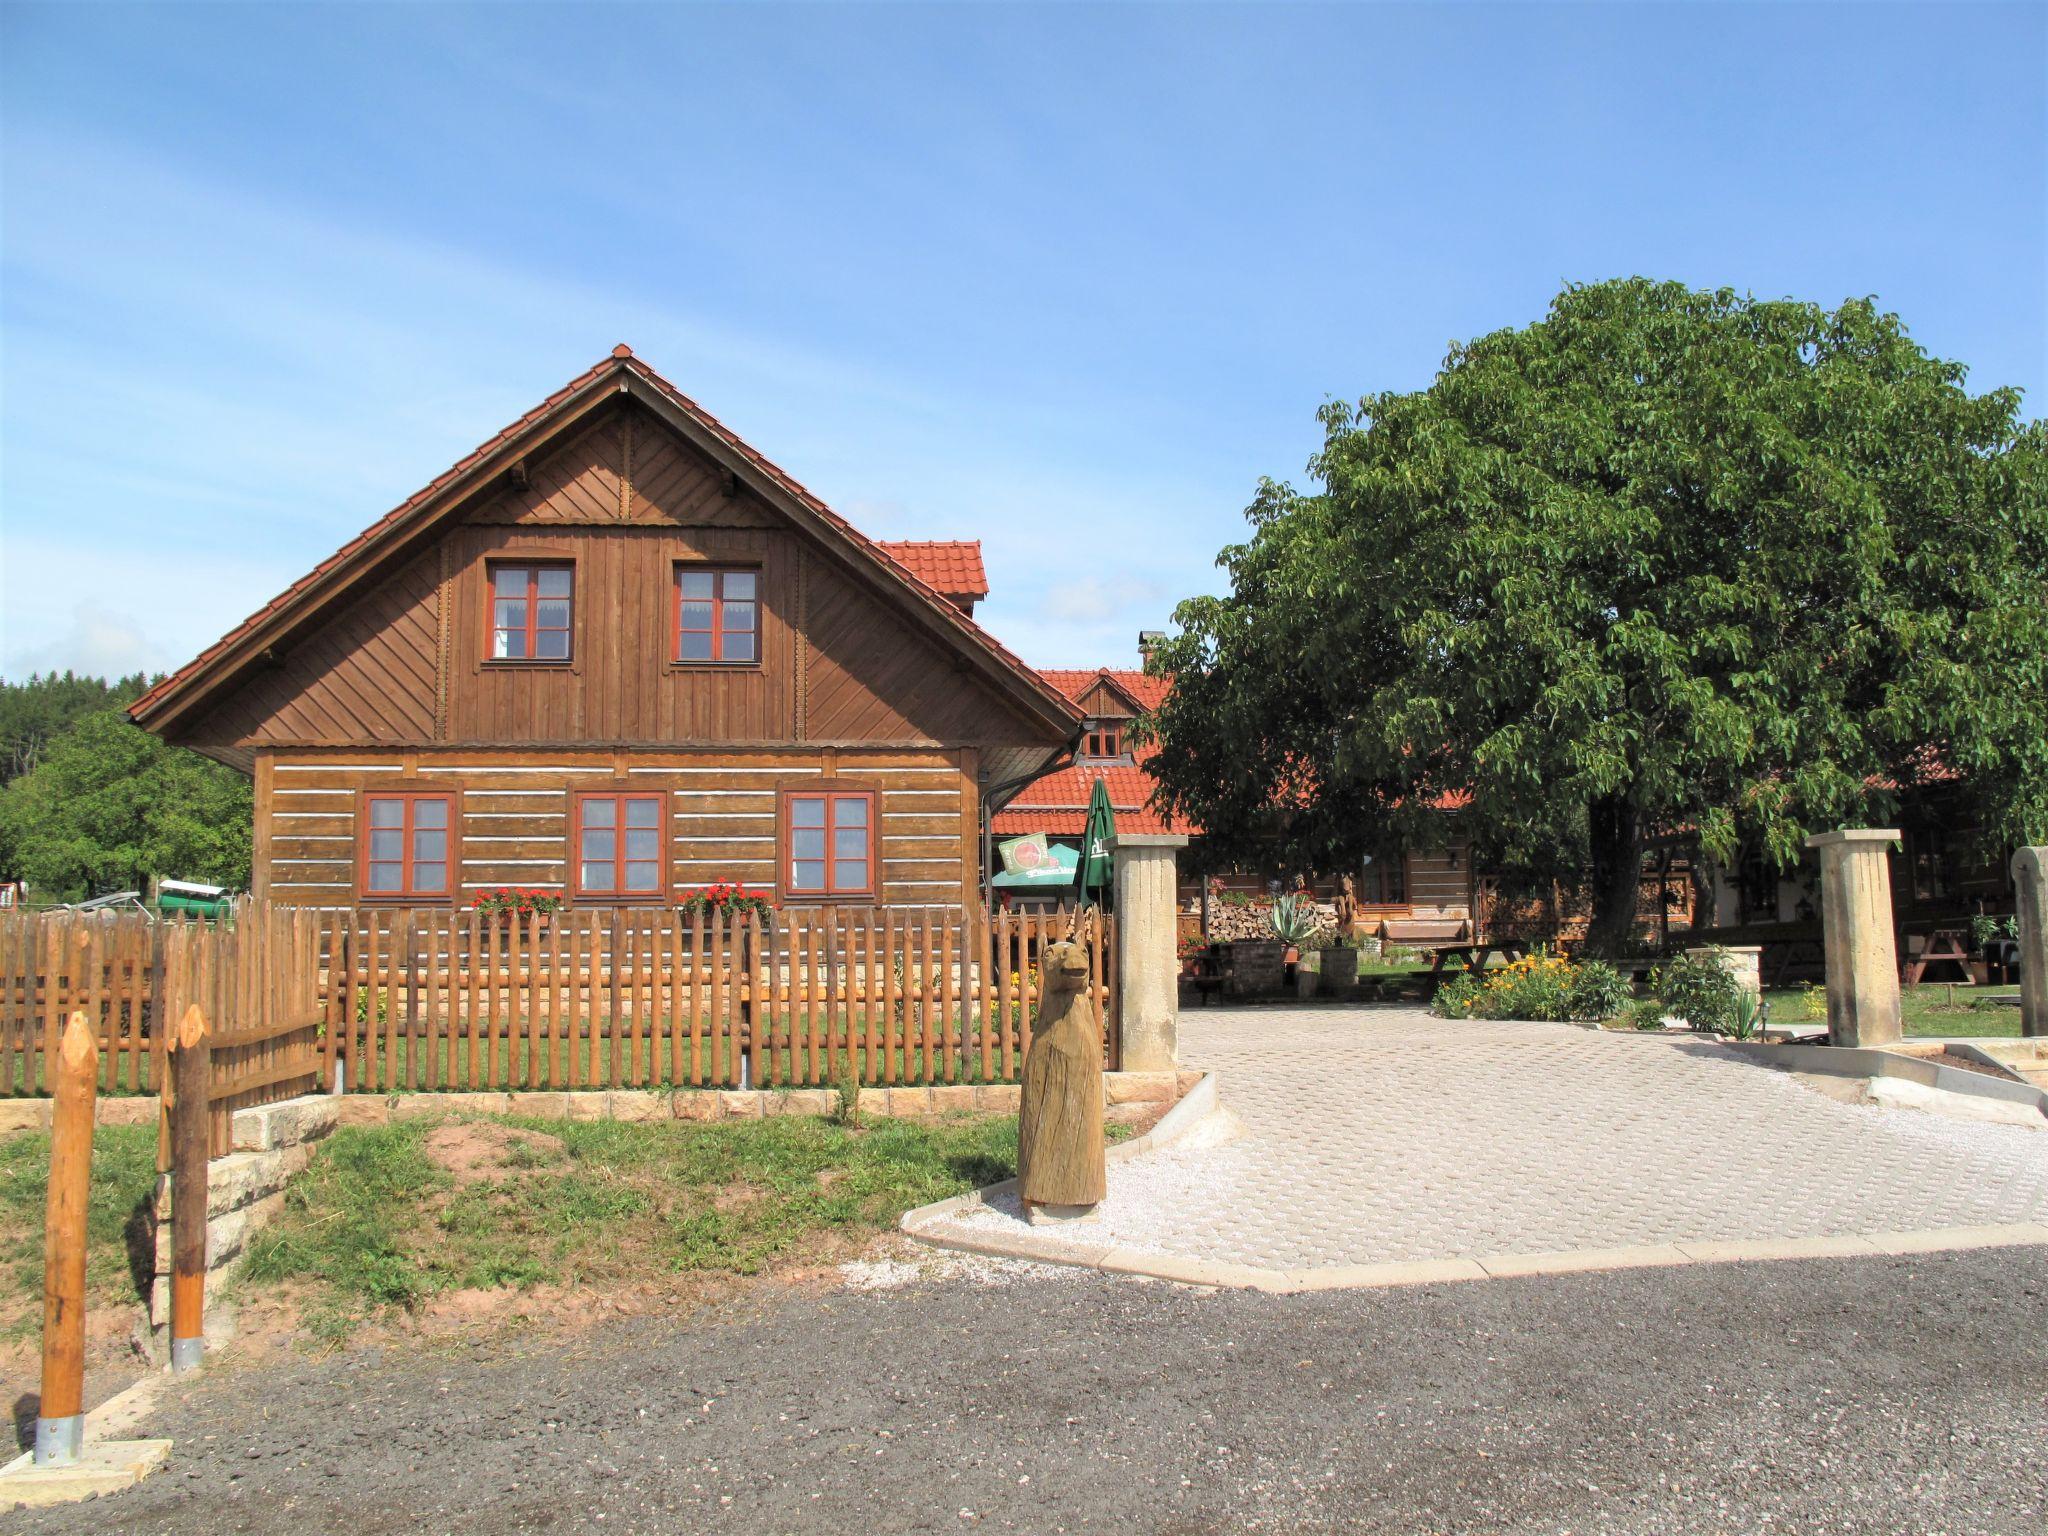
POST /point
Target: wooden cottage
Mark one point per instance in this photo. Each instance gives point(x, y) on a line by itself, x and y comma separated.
point(616, 654)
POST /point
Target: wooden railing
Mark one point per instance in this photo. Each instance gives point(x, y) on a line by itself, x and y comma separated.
point(423, 999)
point(255, 975)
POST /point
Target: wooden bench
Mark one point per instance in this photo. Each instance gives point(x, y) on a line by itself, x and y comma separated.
point(1424, 931)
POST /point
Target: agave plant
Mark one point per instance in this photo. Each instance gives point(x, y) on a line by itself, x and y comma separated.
point(1293, 918)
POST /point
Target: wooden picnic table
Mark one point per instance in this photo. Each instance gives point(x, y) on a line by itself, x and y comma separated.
point(1475, 953)
point(1943, 946)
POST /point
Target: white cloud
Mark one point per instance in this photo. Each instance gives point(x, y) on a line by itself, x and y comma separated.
point(1098, 600)
point(97, 641)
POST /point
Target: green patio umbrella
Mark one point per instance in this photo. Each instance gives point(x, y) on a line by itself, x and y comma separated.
point(1092, 869)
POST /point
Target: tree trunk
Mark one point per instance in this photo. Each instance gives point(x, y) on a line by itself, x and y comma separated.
point(1615, 837)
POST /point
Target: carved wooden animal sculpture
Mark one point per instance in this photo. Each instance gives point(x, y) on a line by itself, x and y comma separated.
point(1059, 1133)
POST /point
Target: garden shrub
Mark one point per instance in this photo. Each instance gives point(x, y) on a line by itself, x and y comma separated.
point(1699, 991)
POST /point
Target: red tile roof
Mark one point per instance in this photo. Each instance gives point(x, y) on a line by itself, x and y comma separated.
point(1148, 691)
point(1058, 803)
point(620, 362)
point(951, 566)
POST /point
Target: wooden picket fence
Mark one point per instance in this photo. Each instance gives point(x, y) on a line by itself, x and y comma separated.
point(255, 975)
point(422, 999)
point(389, 1000)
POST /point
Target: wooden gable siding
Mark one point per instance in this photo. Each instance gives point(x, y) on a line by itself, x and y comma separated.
point(621, 685)
point(625, 499)
point(868, 677)
point(366, 675)
point(513, 816)
point(1103, 701)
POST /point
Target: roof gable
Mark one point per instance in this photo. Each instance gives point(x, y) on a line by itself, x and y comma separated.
point(1136, 691)
point(548, 424)
point(949, 566)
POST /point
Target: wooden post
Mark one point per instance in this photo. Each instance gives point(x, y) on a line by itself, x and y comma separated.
point(191, 1066)
point(60, 1417)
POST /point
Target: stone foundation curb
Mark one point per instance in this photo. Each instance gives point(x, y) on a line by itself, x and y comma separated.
point(244, 1193)
point(1344, 1277)
point(103, 1468)
point(1870, 1062)
point(1120, 1090)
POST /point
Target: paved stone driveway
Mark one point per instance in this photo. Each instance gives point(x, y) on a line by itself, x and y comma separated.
point(1374, 1135)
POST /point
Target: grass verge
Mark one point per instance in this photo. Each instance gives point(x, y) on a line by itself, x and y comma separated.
point(390, 1217)
point(1929, 1009)
point(118, 1256)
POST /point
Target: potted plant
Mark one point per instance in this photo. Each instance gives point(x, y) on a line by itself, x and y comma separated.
point(511, 905)
point(727, 899)
point(1293, 919)
point(1997, 940)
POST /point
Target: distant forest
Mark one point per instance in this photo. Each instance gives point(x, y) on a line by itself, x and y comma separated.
point(90, 803)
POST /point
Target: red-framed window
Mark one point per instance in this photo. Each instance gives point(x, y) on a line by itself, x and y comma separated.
point(717, 616)
point(407, 847)
point(828, 843)
point(532, 611)
point(619, 852)
point(1104, 739)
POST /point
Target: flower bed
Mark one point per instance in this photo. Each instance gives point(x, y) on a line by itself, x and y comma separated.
point(1538, 986)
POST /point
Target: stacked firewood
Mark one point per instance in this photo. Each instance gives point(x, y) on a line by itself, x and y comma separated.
point(1230, 920)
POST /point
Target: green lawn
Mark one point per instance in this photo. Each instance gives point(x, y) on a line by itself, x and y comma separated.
point(387, 1217)
point(117, 1254)
point(1932, 1009)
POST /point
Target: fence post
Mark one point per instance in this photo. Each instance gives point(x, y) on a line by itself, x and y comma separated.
point(60, 1416)
point(1147, 970)
point(191, 1133)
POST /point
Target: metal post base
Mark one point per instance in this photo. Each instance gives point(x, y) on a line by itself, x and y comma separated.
point(58, 1441)
point(187, 1354)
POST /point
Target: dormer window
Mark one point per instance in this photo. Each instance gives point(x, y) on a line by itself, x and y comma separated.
point(1105, 739)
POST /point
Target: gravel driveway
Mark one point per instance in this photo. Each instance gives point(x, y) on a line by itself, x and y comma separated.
point(1867, 1395)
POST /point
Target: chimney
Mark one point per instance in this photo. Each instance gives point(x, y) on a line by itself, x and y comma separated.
point(1147, 638)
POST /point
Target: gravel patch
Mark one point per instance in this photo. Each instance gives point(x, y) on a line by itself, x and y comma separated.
point(1823, 1398)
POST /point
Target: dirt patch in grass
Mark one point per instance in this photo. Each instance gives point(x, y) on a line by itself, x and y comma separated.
point(475, 1151)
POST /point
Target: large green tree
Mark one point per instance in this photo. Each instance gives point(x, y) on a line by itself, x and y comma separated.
point(35, 712)
point(108, 805)
point(1664, 559)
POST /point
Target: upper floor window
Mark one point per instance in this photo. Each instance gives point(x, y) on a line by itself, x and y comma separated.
point(405, 848)
point(717, 615)
point(829, 843)
point(618, 846)
point(530, 612)
point(1105, 738)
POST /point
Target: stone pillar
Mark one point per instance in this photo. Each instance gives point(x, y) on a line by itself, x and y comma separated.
point(1148, 958)
point(2030, 885)
point(1856, 935)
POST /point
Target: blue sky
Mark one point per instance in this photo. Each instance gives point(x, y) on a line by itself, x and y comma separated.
point(1068, 279)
